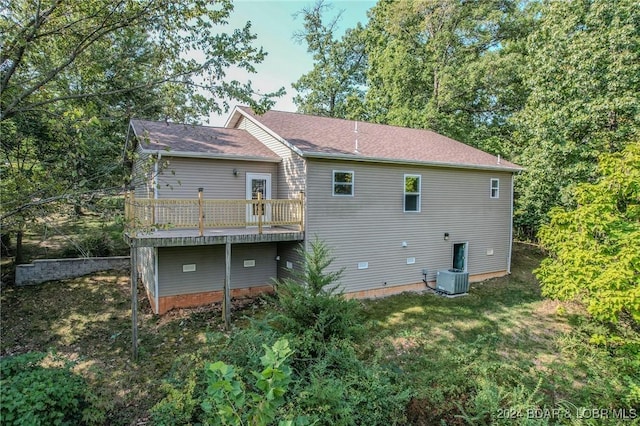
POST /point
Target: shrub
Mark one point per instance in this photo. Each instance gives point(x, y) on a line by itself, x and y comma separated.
point(187, 384)
point(229, 397)
point(245, 347)
point(33, 394)
point(312, 305)
point(338, 388)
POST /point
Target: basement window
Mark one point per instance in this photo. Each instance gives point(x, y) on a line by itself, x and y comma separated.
point(495, 188)
point(343, 183)
point(412, 188)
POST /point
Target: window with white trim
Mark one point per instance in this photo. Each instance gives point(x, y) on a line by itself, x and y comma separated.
point(412, 188)
point(343, 183)
point(495, 188)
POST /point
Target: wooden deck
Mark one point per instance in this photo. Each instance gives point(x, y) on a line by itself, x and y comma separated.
point(192, 237)
point(198, 221)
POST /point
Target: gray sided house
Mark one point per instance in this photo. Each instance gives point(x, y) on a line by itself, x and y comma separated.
point(216, 206)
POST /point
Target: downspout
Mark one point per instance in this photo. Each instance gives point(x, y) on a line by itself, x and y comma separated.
point(305, 204)
point(513, 175)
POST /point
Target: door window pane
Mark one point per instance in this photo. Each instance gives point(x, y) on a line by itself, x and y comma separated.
point(258, 186)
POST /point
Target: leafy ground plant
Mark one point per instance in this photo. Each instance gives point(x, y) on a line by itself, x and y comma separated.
point(228, 399)
point(41, 389)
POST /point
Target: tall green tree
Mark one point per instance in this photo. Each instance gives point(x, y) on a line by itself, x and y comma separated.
point(334, 87)
point(451, 66)
point(73, 73)
point(583, 63)
point(594, 256)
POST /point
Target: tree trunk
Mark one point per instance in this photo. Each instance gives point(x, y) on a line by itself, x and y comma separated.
point(19, 255)
point(5, 242)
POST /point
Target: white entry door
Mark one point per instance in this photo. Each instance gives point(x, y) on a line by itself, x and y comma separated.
point(258, 183)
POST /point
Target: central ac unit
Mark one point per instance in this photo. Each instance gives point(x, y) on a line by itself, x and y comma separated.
point(452, 281)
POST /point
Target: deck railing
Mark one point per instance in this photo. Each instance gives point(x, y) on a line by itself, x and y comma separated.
point(144, 213)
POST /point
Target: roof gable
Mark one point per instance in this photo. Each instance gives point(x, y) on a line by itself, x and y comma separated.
point(327, 137)
point(199, 141)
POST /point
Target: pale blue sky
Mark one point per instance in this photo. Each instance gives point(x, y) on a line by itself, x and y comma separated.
point(274, 24)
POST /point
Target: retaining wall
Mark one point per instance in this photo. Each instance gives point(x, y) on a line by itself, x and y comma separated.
point(58, 269)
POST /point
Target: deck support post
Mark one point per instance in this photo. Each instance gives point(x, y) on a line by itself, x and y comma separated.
point(226, 301)
point(134, 303)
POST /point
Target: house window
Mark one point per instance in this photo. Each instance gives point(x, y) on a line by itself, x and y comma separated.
point(412, 193)
point(495, 188)
point(342, 183)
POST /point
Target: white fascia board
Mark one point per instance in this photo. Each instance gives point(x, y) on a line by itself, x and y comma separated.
point(271, 132)
point(328, 156)
point(233, 118)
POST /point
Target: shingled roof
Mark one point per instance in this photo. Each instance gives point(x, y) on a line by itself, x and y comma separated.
point(199, 141)
point(324, 137)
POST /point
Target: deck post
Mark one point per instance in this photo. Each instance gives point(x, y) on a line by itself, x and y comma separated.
point(259, 213)
point(226, 301)
point(134, 302)
point(301, 211)
point(200, 212)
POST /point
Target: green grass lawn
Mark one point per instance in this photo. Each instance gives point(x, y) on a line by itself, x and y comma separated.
point(501, 347)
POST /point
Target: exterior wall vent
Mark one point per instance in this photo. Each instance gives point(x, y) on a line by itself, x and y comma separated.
point(452, 281)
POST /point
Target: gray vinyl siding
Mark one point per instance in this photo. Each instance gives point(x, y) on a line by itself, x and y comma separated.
point(291, 171)
point(146, 268)
point(288, 252)
point(182, 177)
point(265, 267)
point(142, 175)
point(210, 263)
point(371, 226)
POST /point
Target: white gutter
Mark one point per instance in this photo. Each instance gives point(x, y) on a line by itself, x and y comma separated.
point(329, 156)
